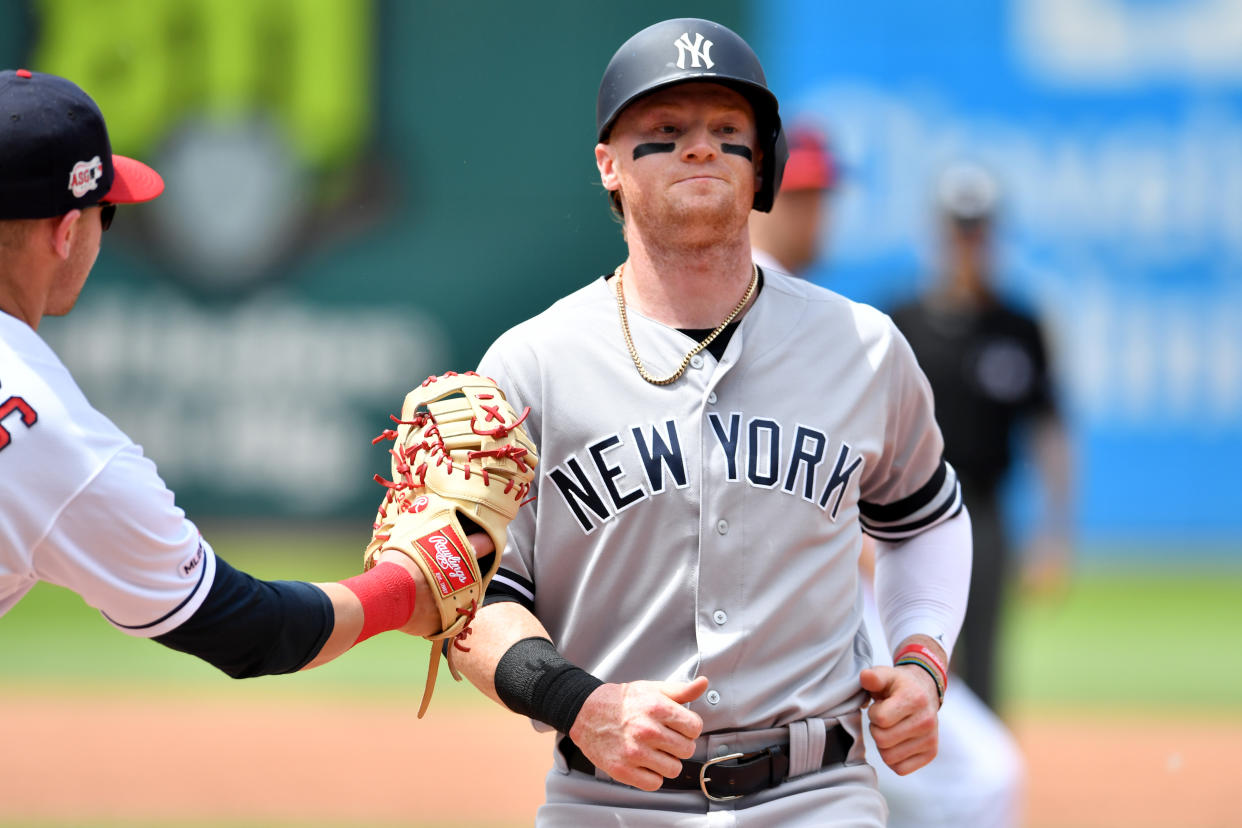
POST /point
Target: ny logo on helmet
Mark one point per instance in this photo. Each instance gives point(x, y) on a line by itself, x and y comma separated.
point(684, 45)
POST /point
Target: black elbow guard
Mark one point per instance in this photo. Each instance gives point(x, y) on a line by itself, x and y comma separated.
point(247, 627)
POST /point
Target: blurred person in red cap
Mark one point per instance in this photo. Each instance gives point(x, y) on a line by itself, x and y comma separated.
point(789, 237)
point(991, 375)
point(80, 506)
point(976, 778)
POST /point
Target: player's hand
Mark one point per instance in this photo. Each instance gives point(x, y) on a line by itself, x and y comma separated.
point(903, 715)
point(639, 732)
point(425, 620)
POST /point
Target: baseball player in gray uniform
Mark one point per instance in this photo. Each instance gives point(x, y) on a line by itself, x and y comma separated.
point(682, 603)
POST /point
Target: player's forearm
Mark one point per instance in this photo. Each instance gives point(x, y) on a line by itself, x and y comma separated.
point(921, 583)
point(347, 623)
point(494, 631)
point(350, 614)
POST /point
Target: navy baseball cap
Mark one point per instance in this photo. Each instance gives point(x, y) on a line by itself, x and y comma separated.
point(54, 151)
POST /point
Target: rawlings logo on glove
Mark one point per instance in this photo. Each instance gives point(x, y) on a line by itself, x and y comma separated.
point(462, 463)
point(448, 558)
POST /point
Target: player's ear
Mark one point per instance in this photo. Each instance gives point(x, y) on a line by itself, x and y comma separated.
point(606, 162)
point(758, 169)
point(63, 230)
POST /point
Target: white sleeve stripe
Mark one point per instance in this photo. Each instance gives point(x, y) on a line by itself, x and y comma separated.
point(947, 509)
point(933, 502)
point(513, 585)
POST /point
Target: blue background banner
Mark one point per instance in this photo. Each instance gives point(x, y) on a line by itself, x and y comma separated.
point(1115, 127)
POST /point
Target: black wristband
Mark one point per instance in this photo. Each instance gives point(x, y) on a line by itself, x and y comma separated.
point(533, 679)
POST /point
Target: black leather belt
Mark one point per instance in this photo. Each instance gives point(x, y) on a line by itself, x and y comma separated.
point(728, 777)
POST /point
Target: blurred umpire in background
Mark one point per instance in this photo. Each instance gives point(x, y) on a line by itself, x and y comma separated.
point(989, 370)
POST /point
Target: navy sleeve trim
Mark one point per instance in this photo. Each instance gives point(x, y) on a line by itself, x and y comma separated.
point(247, 627)
point(509, 586)
point(947, 510)
point(908, 505)
point(202, 573)
point(936, 501)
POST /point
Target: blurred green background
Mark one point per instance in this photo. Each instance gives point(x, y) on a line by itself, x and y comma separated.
point(1116, 639)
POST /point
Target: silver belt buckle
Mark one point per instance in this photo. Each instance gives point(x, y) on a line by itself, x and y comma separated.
point(703, 779)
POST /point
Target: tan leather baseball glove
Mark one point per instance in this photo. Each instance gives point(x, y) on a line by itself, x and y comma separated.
point(462, 464)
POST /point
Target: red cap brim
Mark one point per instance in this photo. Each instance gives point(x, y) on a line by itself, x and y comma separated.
point(133, 182)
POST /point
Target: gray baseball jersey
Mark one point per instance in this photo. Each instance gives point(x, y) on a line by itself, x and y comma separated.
point(712, 526)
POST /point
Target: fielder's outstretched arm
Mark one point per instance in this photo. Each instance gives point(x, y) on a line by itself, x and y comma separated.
point(247, 627)
point(350, 613)
point(122, 544)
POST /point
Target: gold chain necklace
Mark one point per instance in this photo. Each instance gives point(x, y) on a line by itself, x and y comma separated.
point(629, 341)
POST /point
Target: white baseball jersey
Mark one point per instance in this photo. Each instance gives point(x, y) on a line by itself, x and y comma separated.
point(712, 526)
point(81, 507)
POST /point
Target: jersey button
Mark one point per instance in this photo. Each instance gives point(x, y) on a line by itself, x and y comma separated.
point(711, 398)
point(722, 526)
point(720, 616)
point(696, 361)
point(713, 697)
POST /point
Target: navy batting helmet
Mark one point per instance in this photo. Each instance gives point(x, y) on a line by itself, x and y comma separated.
point(691, 49)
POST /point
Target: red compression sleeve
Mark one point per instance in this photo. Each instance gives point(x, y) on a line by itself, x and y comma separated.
point(387, 594)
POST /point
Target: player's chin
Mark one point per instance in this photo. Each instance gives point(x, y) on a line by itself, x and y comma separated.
point(704, 190)
point(714, 205)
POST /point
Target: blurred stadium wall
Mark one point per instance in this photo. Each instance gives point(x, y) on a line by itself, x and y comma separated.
point(343, 177)
point(343, 173)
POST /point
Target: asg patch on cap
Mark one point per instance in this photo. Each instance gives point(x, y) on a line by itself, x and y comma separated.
point(85, 176)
